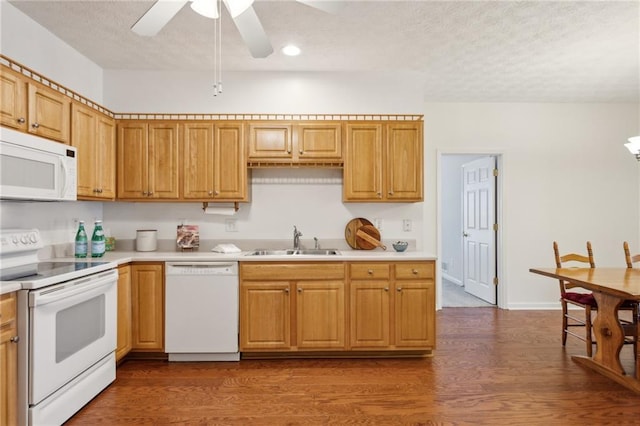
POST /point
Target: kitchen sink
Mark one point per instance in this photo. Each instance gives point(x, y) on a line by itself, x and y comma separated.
point(292, 252)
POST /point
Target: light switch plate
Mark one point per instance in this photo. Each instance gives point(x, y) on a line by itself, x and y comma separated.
point(406, 225)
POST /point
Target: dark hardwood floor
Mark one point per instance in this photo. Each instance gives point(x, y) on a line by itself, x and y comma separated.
point(491, 366)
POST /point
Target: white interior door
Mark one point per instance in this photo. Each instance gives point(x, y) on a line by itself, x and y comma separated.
point(479, 242)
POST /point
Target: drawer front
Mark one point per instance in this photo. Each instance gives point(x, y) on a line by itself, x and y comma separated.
point(412, 271)
point(369, 271)
point(291, 271)
point(7, 309)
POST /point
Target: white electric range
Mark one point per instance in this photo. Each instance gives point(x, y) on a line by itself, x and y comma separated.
point(66, 328)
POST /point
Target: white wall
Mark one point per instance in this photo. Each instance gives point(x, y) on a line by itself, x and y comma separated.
point(315, 208)
point(264, 92)
point(566, 174)
point(33, 46)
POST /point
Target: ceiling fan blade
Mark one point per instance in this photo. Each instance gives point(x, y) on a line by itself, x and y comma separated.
point(329, 6)
point(253, 33)
point(157, 17)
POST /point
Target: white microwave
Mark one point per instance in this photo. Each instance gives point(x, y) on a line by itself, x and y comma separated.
point(35, 168)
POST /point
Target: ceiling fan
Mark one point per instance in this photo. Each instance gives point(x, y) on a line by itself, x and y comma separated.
point(241, 11)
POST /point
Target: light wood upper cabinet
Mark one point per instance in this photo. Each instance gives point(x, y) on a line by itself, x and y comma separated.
point(147, 306)
point(30, 106)
point(49, 113)
point(8, 360)
point(297, 142)
point(269, 141)
point(383, 162)
point(403, 162)
point(13, 99)
point(318, 141)
point(94, 135)
point(124, 342)
point(214, 165)
point(147, 161)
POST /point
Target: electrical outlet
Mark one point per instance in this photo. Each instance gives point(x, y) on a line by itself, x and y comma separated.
point(230, 225)
point(406, 225)
point(378, 224)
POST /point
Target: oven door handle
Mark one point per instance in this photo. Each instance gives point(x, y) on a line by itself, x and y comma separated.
point(94, 284)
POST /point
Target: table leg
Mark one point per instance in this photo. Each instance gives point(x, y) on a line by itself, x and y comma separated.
point(608, 332)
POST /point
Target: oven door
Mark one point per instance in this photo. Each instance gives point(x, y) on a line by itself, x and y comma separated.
point(72, 326)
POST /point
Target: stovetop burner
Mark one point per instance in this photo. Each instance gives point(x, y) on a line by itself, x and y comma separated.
point(41, 270)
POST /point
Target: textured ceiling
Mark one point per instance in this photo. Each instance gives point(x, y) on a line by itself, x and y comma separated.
point(501, 51)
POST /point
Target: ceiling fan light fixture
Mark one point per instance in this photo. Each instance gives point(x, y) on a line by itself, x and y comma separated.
point(206, 8)
point(236, 7)
point(291, 50)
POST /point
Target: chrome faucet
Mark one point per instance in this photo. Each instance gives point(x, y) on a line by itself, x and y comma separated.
point(296, 238)
point(317, 244)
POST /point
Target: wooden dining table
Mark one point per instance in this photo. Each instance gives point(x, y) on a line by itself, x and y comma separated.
point(610, 287)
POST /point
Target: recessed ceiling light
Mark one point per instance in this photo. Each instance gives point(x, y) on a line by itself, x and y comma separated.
point(291, 50)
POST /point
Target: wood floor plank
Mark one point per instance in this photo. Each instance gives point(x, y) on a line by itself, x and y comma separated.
point(491, 366)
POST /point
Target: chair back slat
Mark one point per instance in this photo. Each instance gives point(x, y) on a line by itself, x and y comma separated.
point(628, 257)
point(572, 257)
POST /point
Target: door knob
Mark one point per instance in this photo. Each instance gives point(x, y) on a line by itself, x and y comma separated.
point(464, 234)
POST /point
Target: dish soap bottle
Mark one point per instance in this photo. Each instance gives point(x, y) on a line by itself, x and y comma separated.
point(97, 240)
point(81, 241)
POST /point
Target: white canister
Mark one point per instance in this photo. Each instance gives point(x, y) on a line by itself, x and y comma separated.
point(146, 239)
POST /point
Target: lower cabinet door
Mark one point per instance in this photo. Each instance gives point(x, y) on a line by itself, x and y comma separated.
point(414, 310)
point(369, 315)
point(265, 315)
point(320, 315)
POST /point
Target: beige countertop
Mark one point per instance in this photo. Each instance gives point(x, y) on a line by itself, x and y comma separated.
point(206, 255)
point(203, 256)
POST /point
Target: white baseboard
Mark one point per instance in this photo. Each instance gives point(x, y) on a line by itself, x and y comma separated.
point(449, 278)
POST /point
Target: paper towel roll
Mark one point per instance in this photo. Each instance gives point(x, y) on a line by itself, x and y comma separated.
point(223, 211)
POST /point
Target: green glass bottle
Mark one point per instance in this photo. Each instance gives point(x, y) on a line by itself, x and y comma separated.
point(97, 240)
point(81, 241)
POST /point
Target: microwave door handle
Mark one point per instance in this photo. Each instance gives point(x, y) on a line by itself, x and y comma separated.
point(84, 285)
point(65, 170)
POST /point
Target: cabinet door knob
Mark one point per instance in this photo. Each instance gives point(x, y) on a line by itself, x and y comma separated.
point(145, 193)
point(301, 152)
point(150, 193)
point(386, 289)
point(299, 290)
point(379, 194)
point(370, 272)
point(210, 192)
point(415, 272)
point(35, 125)
point(286, 290)
point(399, 289)
point(216, 193)
point(390, 192)
point(15, 339)
point(21, 120)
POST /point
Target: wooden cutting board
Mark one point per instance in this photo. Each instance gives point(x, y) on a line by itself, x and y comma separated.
point(351, 230)
point(368, 238)
point(362, 235)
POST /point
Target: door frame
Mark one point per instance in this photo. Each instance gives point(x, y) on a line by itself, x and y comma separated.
point(501, 161)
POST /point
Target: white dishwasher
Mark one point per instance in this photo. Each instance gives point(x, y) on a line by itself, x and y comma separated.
point(201, 311)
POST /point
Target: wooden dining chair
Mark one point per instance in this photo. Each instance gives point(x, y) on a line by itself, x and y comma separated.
point(583, 300)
